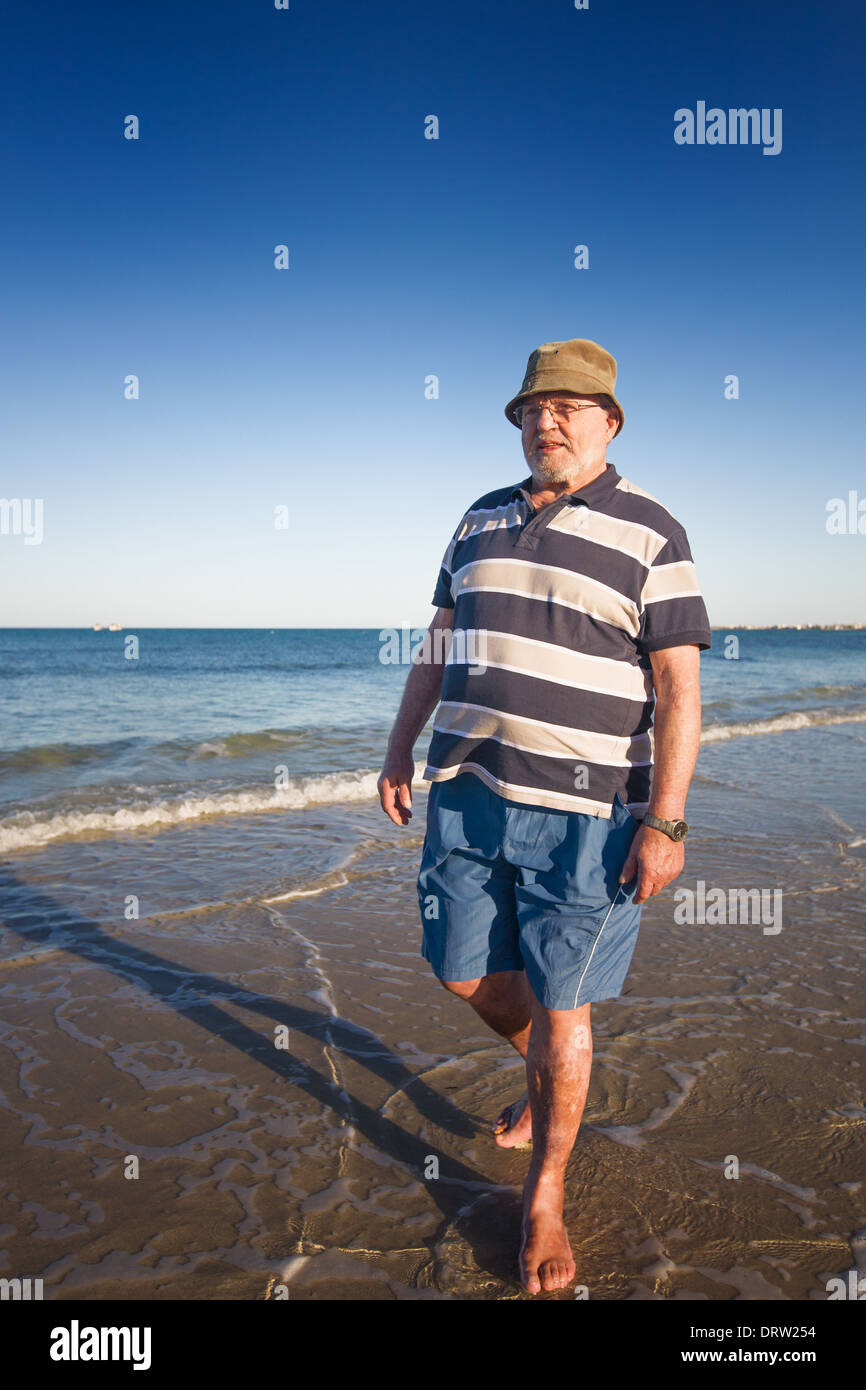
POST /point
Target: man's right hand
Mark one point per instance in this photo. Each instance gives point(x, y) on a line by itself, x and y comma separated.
point(395, 786)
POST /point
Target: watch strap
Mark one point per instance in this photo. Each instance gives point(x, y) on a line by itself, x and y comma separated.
point(674, 829)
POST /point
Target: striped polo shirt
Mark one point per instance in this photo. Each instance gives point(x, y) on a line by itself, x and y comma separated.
point(547, 691)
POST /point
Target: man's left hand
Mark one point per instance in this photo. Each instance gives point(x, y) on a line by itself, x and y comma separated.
point(656, 859)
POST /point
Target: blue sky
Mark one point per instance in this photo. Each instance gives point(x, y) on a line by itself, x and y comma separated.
point(411, 257)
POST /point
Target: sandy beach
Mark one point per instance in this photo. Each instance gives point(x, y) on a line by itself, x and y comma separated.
point(308, 1108)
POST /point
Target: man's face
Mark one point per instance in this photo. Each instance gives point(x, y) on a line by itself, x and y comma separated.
point(559, 440)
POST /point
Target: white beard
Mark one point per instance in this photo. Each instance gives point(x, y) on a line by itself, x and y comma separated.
point(552, 468)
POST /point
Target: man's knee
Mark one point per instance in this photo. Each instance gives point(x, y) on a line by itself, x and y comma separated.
point(464, 988)
point(498, 988)
point(568, 1027)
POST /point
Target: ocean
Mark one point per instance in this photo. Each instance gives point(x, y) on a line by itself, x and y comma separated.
point(196, 727)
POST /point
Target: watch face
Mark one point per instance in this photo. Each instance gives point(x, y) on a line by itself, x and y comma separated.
point(680, 830)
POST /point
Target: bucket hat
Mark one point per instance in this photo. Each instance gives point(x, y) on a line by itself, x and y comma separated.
point(578, 365)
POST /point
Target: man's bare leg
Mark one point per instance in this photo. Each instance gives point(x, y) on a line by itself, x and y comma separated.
point(503, 1002)
point(557, 1045)
point(558, 1064)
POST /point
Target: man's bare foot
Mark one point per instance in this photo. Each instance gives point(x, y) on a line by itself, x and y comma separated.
point(546, 1261)
point(513, 1129)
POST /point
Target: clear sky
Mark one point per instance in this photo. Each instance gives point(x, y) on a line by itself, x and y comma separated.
point(411, 257)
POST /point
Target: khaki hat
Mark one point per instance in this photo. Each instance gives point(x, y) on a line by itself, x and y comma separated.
point(578, 365)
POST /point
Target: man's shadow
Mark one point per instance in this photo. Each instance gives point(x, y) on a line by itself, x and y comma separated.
point(38, 918)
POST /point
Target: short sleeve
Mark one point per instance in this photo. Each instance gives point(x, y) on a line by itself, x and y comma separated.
point(673, 613)
point(442, 594)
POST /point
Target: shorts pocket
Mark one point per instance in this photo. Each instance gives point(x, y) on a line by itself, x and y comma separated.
point(624, 813)
point(465, 816)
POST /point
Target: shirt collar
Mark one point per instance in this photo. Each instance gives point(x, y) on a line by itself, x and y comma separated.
point(591, 494)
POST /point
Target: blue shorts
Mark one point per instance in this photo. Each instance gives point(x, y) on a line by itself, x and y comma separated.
point(509, 887)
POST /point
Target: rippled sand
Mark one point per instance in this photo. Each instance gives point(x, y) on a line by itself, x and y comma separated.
point(310, 1169)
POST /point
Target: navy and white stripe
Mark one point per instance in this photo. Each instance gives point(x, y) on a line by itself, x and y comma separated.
point(564, 604)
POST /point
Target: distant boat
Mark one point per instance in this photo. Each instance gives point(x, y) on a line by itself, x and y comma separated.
point(114, 627)
point(97, 627)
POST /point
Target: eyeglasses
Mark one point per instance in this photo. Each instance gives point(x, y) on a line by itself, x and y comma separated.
point(561, 411)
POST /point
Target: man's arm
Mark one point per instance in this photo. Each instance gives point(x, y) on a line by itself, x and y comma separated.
point(676, 736)
point(420, 697)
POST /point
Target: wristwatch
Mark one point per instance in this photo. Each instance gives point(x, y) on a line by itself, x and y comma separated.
point(676, 829)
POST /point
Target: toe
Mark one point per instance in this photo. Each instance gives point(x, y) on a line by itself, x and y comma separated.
point(503, 1121)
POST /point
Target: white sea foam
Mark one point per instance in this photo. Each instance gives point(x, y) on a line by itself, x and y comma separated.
point(783, 724)
point(334, 882)
point(27, 830)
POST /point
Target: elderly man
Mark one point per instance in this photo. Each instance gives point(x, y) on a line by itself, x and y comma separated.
point(546, 826)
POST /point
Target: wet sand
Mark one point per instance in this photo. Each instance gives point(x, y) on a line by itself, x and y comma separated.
point(309, 1167)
